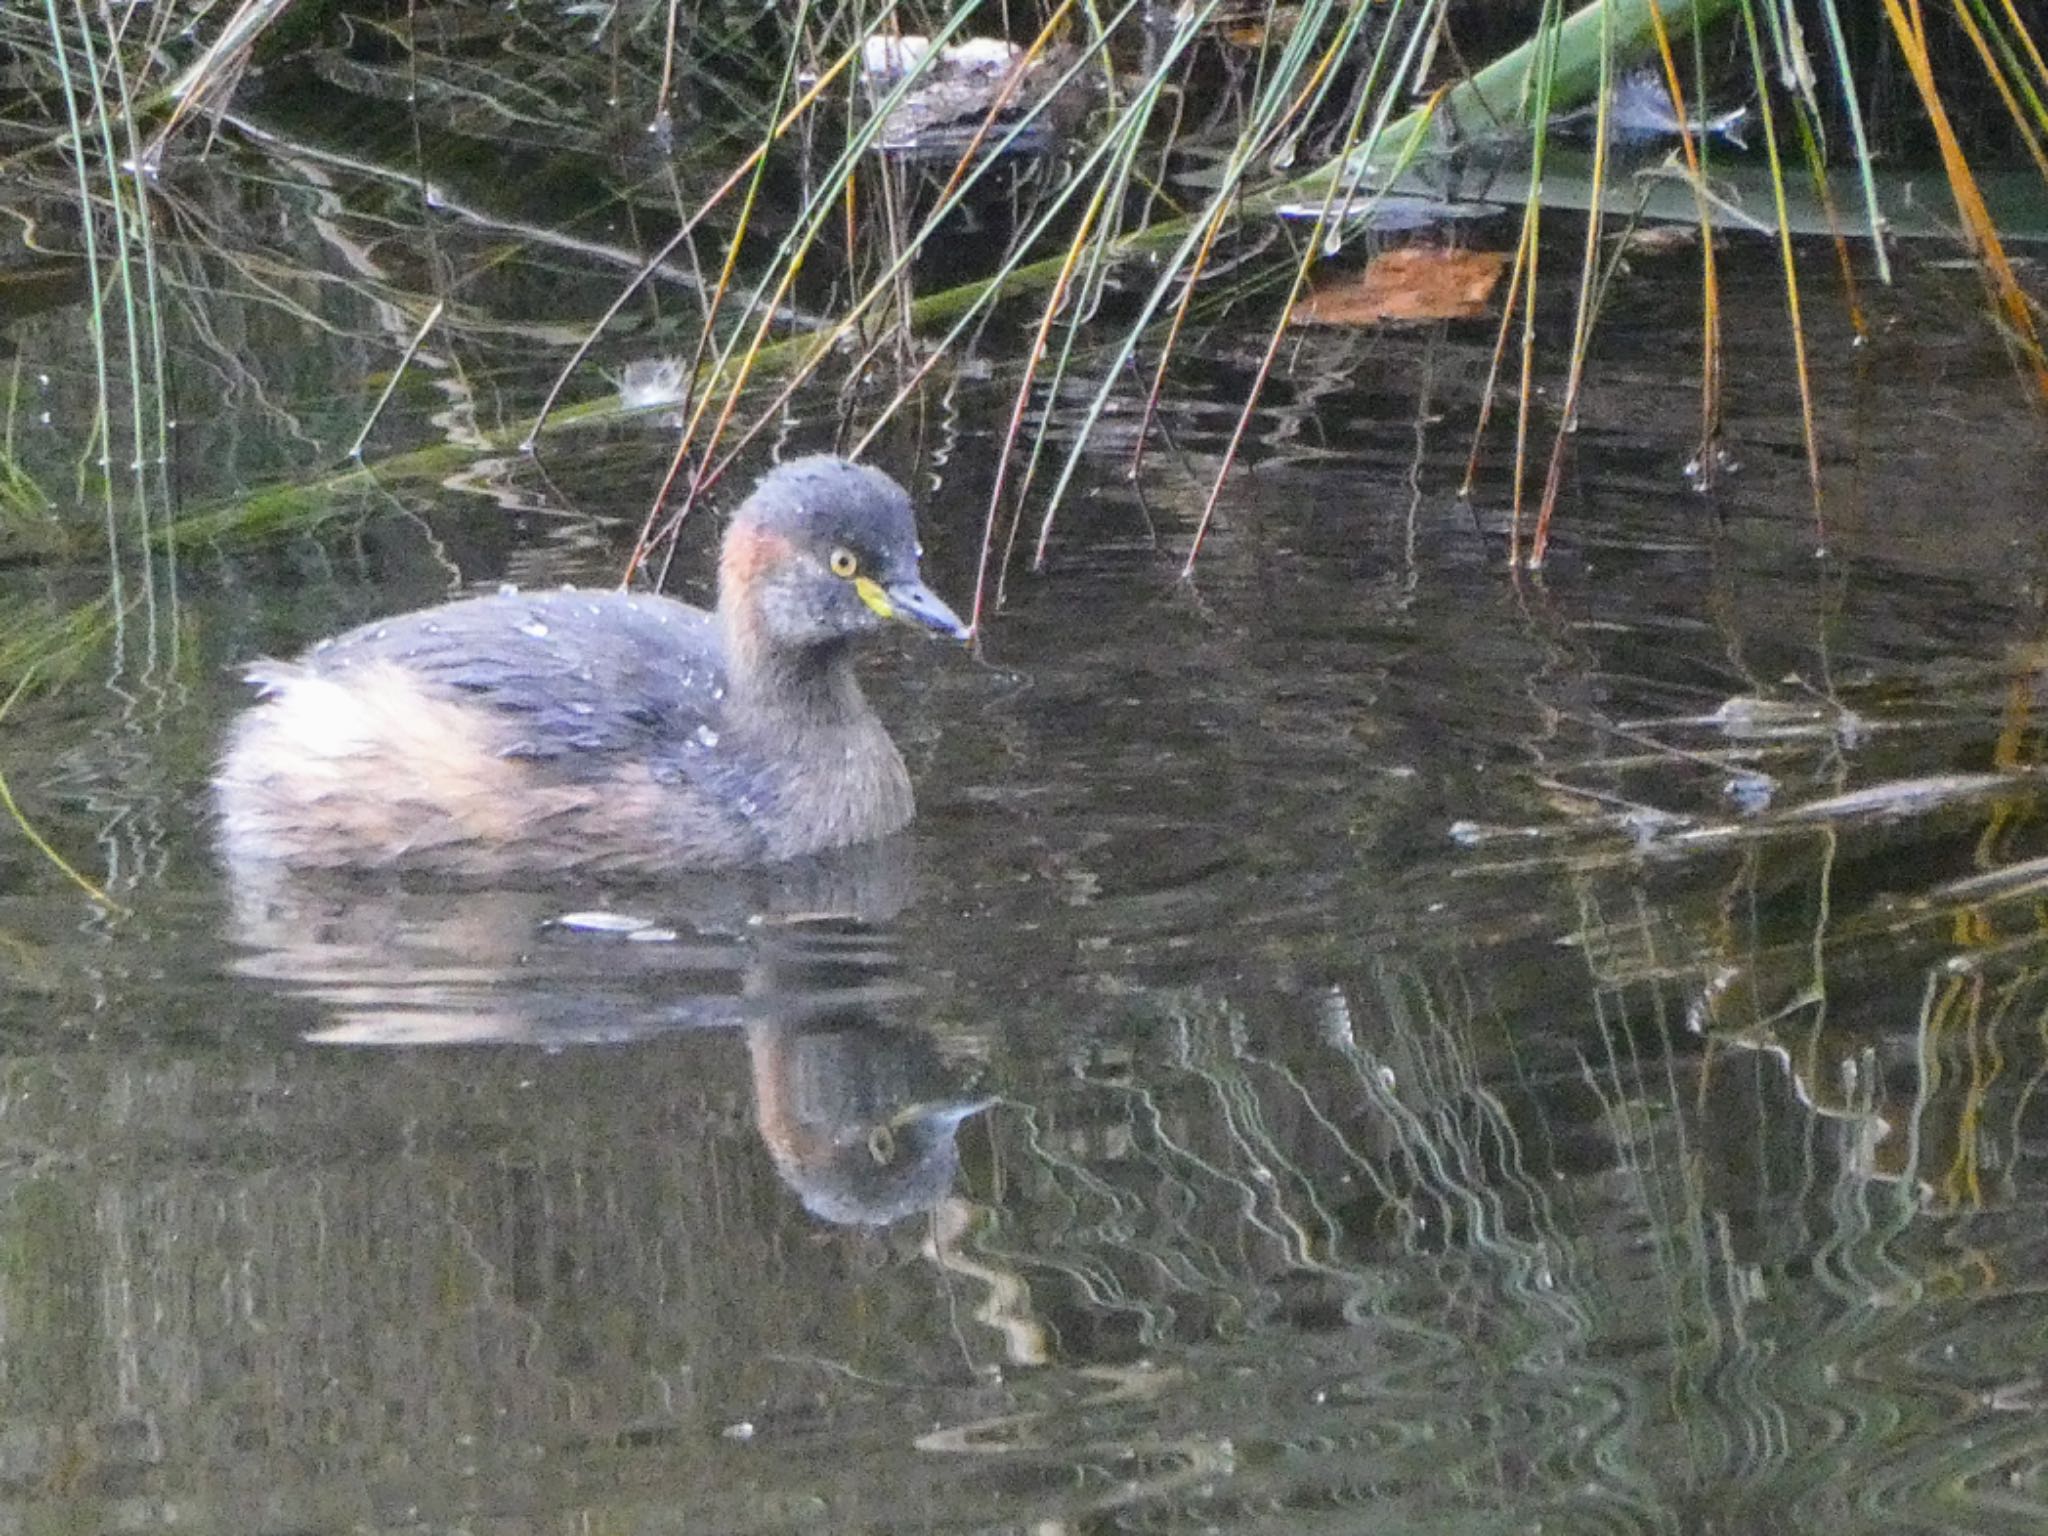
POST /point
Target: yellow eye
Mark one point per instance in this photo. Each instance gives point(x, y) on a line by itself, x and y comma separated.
point(844, 562)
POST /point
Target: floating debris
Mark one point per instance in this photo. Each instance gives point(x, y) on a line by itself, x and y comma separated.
point(1640, 108)
point(1751, 792)
point(885, 60)
point(601, 922)
point(1659, 239)
point(1910, 797)
point(1389, 213)
point(2028, 878)
point(1413, 282)
point(984, 86)
point(651, 381)
point(1751, 717)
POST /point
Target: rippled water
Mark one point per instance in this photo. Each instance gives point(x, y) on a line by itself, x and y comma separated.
point(1354, 1041)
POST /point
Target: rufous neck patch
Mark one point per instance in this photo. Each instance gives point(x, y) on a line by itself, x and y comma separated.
point(748, 555)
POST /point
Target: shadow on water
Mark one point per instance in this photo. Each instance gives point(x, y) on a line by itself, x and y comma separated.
point(1351, 1040)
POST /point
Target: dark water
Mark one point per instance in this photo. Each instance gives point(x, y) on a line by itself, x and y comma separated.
point(1354, 1041)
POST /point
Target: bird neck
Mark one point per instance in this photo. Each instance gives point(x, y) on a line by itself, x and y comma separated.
point(792, 686)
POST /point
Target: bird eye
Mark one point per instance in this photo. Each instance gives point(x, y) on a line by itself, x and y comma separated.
point(844, 562)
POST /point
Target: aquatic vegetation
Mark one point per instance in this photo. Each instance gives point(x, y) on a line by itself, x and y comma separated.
point(1472, 1051)
point(871, 196)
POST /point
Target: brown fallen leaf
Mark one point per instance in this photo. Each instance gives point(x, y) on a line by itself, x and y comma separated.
point(1411, 282)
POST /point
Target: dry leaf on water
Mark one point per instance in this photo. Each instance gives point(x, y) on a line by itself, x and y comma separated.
point(1413, 282)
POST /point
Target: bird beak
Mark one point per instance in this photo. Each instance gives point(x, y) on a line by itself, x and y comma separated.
point(946, 1114)
point(912, 602)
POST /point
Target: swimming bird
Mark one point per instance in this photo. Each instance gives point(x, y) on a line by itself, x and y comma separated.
point(600, 729)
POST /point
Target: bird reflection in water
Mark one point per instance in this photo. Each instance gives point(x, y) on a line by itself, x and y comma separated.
point(858, 1109)
point(856, 1114)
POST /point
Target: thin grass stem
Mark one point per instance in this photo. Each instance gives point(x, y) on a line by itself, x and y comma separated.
point(1582, 319)
point(355, 449)
point(1977, 221)
point(27, 828)
point(1789, 259)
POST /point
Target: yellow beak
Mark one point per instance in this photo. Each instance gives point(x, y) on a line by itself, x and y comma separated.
point(872, 594)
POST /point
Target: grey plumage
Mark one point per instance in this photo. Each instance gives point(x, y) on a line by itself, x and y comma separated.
point(601, 728)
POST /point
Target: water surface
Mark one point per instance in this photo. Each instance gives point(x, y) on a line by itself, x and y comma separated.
point(1354, 1039)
